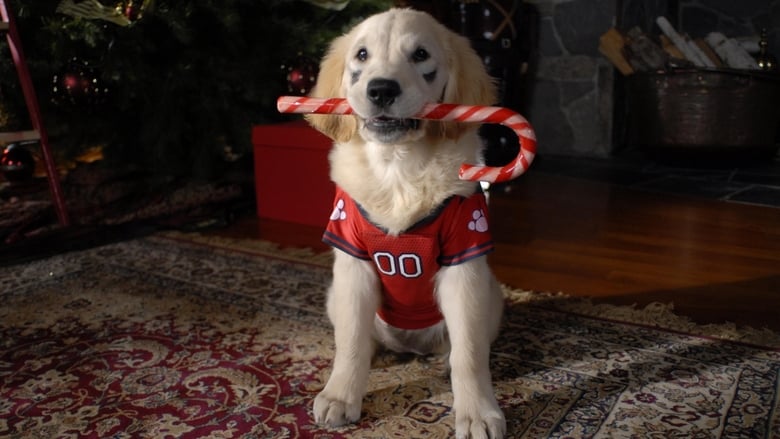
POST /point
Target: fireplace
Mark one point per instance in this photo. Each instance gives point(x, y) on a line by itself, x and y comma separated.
point(559, 80)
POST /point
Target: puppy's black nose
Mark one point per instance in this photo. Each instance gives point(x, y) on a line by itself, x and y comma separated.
point(382, 92)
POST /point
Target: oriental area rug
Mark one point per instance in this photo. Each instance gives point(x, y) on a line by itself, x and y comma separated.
point(187, 336)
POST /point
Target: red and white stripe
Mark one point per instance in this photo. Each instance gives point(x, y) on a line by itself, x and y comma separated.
point(446, 112)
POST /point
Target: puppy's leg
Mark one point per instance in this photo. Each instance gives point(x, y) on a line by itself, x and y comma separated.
point(472, 304)
point(353, 299)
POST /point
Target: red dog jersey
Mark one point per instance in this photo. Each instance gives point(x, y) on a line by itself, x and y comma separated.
point(455, 233)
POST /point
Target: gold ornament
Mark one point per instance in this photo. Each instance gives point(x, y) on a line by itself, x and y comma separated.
point(765, 60)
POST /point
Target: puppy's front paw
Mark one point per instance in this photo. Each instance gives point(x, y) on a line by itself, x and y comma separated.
point(333, 412)
point(479, 424)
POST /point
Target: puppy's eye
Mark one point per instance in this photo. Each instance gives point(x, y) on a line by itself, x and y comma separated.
point(362, 54)
point(420, 55)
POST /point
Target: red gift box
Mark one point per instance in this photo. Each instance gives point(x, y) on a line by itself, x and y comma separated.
point(292, 178)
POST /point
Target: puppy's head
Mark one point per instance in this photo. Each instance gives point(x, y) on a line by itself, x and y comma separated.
point(388, 67)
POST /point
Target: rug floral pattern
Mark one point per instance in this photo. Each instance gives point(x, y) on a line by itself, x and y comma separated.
point(167, 337)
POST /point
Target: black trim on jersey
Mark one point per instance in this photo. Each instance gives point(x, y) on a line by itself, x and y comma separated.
point(466, 255)
point(334, 240)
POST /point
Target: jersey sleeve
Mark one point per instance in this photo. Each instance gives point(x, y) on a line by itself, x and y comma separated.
point(342, 231)
point(467, 233)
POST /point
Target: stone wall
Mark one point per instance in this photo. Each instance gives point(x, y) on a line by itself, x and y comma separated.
point(571, 98)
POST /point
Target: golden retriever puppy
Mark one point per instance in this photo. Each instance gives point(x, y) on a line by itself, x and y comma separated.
point(410, 238)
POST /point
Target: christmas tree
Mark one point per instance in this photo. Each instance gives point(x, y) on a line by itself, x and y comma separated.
point(167, 85)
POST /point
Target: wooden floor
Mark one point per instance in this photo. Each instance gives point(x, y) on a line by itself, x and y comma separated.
point(716, 261)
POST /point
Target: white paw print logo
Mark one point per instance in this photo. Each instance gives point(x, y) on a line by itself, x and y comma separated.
point(480, 223)
point(338, 211)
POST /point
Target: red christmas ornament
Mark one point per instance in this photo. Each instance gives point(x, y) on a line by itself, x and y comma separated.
point(17, 163)
point(301, 75)
point(79, 84)
point(132, 9)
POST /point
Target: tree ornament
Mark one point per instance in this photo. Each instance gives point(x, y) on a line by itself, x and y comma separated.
point(133, 10)
point(766, 61)
point(301, 75)
point(17, 163)
point(79, 84)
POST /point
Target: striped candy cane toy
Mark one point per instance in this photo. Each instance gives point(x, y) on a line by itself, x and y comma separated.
point(447, 112)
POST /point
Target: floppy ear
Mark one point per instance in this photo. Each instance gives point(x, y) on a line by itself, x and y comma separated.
point(468, 82)
point(328, 85)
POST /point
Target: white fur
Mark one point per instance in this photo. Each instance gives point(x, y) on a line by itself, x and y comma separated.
point(398, 184)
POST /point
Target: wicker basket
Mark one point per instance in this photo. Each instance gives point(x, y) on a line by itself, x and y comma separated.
point(707, 114)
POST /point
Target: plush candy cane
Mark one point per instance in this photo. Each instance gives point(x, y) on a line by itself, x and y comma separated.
point(447, 112)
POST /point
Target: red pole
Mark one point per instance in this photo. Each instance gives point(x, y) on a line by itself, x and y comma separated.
point(14, 44)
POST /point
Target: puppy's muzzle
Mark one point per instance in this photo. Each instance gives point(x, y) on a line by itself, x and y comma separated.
point(382, 93)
